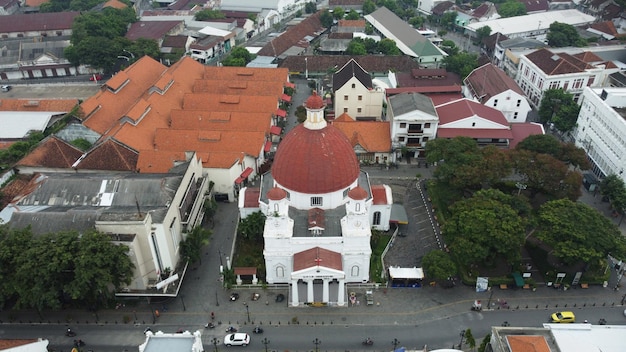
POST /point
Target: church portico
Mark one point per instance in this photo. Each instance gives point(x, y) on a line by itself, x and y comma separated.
point(318, 278)
point(325, 291)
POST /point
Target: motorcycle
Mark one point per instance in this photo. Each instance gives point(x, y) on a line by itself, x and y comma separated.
point(231, 329)
point(477, 306)
point(79, 343)
point(209, 325)
point(70, 333)
point(257, 330)
point(368, 342)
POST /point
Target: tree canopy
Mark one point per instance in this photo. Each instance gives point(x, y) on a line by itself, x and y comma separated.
point(239, 56)
point(338, 13)
point(484, 227)
point(368, 7)
point(438, 265)
point(548, 144)
point(310, 7)
point(614, 188)
point(353, 15)
point(559, 108)
point(208, 14)
point(563, 34)
point(252, 226)
point(577, 232)
point(482, 33)
point(511, 9)
point(191, 246)
point(326, 18)
point(364, 46)
point(68, 266)
point(461, 63)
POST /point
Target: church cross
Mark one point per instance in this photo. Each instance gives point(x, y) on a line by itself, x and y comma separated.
point(318, 260)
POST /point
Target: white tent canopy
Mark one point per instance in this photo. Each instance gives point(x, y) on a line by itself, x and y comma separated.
point(406, 273)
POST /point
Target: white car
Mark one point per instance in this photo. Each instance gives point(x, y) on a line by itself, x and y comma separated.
point(237, 339)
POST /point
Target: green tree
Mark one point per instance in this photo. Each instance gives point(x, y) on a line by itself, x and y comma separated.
point(462, 63)
point(438, 265)
point(482, 33)
point(251, 228)
point(541, 143)
point(326, 18)
point(368, 7)
point(485, 227)
point(13, 244)
point(388, 46)
point(142, 47)
point(338, 13)
point(204, 15)
point(239, 56)
point(469, 339)
point(82, 144)
point(191, 246)
point(355, 48)
point(558, 107)
point(353, 15)
point(416, 21)
point(449, 47)
point(448, 19)
point(310, 7)
point(563, 34)
point(614, 188)
point(511, 9)
point(577, 232)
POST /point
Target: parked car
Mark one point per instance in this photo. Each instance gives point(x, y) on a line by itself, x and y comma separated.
point(563, 317)
point(6, 88)
point(96, 77)
point(237, 339)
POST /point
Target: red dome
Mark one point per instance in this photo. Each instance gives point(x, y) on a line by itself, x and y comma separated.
point(315, 161)
point(314, 102)
point(276, 194)
point(357, 193)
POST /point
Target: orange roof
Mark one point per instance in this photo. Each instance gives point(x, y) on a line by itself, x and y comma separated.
point(231, 87)
point(534, 343)
point(35, 3)
point(52, 152)
point(248, 142)
point(220, 121)
point(226, 73)
point(56, 105)
point(104, 110)
point(109, 155)
point(238, 103)
point(379, 195)
point(155, 161)
point(317, 256)
point(373, 136)
point(116, 4)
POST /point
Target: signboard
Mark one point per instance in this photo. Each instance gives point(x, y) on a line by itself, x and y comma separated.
point(482, 284)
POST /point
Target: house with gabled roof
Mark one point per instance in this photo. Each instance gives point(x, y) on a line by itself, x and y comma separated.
point(296, 39)
point(413, 122)
point(545, 69)
point(155, 30)
point(37, 25)
point(371, 140)
point(468, 118)
point(51, 155)
point(284, 8)
point(355, 94)
point(491, 86)
point(409, 41)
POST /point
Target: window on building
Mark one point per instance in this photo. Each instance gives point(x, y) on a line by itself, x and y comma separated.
point(401, 139)
point(578, 83)
point(565, 85)
point(175, 235)
point(280, 271)
point(360, 97)
point(515, 115)
point(533, 77)
point(540, 84)
point(526, 72)
point(403, 125)
point(425, 139)
point(590, 81)
point(427, 125)
point(495, 102)
point(358, 109)
point(519, 102)
point(345, 110)
point(316, 201)
point(354, 271)
point(345, 97)
point(376, 220)
point(555, 84)
point(353, 85)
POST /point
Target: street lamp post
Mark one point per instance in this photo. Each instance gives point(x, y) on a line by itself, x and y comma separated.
point(317, 342)
point(247, 311)
point(215, 341)
point(266, 342)
point(306, 67)
point(395, 344)
point(462, 337)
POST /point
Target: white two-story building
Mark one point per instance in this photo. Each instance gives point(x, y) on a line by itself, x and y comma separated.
point(414, 122)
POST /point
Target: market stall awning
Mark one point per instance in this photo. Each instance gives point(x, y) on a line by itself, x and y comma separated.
point(281, 113)
point(285, 98)
point(406, 273)
point(276, 130)
point(398, 215)
point(268, 146)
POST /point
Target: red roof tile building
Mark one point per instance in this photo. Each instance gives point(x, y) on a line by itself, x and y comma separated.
point(320, 209)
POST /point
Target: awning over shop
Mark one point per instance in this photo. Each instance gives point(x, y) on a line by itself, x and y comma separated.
point(276, 130)
point(281, 113)
point(285, 98)
point(406, 273)
point(246, 173)
point(239, 180)
point(268, 146)
point(290, 85)
point(398, 215)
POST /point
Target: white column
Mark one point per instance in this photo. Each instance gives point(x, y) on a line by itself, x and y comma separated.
point(325, 298)
point(295, 301)
point(341, 292)
point(309, 291)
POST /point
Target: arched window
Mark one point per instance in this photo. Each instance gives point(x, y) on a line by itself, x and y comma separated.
point(376, 218)
point(280, 271)
point(357, 207)
point(276, 207)
point(355, 270)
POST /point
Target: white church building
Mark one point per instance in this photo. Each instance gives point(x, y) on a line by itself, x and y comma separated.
point(320, 210)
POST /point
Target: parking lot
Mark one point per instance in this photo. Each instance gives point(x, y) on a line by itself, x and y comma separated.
point(71, 90)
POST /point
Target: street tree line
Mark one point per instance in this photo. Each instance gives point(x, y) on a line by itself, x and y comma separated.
point(486, 218)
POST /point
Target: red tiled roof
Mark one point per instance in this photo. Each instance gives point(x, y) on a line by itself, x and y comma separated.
point(175, 41)
point(424, 90)
point(534, 343)
point(116, 4)
point(48, 105)
point(232, 73)
point(373, 136)
point(351, 23)
point(150, 29)
point(220, 120)
point(379, 195)
point(251, 199)
point(248, 270)
point(556, 64)
point(488, 81)
point(314, 101)
point(236, 87)
point(443, 98)
point(357, 193)
point(267, 147)
point(428, 78)
point(276, 130)
point(294, 36)
point(276, 194)
point(111, 156)
point(6, 344)
point(522, 130)
point(315, 161)
point(588, 57)
point(317, 256)
point(52, 152)
point(464, 108)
